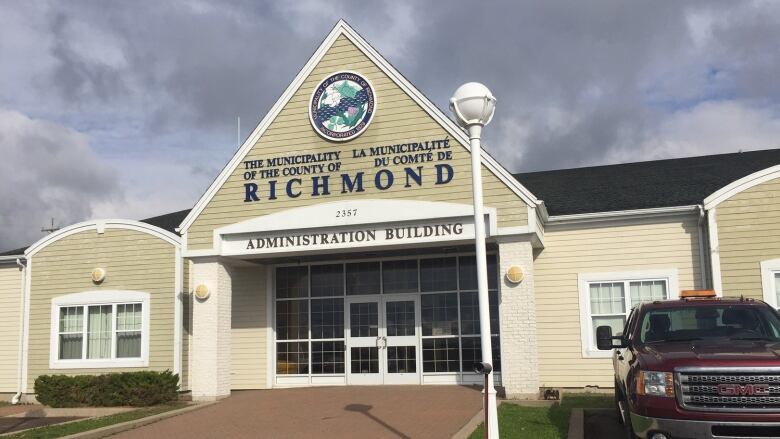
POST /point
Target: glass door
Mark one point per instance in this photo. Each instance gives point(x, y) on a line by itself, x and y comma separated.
point(364, 341)
point(401, 339)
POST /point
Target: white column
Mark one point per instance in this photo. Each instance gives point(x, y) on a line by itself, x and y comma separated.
point(211, 327)
point(519, 353)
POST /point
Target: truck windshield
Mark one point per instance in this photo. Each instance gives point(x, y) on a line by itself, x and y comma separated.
point(690, 323)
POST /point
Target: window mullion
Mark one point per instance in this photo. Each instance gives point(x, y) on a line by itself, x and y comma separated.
point(84, 340)
point(627, 298)
point(113, 330)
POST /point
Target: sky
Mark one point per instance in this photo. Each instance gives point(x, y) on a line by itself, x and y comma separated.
point(114, 109)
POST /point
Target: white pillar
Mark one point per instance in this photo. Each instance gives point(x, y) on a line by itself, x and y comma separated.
point(519, 353)
point(211, 327)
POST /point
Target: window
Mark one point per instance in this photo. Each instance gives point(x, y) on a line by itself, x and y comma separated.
point(770, 279)
point(100, 329)
point(399, 276)
point(606, 299)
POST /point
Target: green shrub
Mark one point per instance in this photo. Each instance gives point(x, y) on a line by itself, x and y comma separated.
point(137, 389)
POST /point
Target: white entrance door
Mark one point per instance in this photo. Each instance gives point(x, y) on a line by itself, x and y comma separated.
point(383, 340)
point(401, 340)
point(364, 341)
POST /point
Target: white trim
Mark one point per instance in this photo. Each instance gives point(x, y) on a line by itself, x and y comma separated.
point(712, 230)
point(768, 270)
point(702, 247)
point(621, 214)
point(20, 352)
point(270, 333)
point(26, 329)
point(740, 185)
point(100, 297)
point(178, 315)
point(342, 28)
point(670, 275)
point(98, 225)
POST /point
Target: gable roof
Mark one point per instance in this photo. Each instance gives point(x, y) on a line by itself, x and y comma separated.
point(639, 185)
point(643, 185)
point(343, 29)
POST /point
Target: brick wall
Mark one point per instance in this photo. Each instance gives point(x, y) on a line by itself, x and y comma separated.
point(211, 332)
point(519, 355)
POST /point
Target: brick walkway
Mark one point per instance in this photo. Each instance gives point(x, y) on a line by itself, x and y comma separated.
point(326, 412)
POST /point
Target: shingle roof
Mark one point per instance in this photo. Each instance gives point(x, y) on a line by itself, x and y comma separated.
point(169, 222)
point(642, 185)
point(15, 252)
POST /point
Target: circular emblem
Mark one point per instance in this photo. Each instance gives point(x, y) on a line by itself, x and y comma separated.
point(342, 106)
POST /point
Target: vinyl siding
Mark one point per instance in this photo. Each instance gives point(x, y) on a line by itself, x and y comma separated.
point(615, 246)
point(133, 261)
point(748, 233)
point(398, 119)
point(10, 301)
point(249, 350)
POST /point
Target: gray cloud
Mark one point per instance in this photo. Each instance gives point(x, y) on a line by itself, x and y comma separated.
point(47, 171)
point(156, 87)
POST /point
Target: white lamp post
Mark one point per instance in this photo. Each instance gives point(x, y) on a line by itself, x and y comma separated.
point(473, 105)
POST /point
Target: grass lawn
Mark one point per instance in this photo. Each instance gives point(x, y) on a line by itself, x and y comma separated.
point(516, 421)
point(55, 431)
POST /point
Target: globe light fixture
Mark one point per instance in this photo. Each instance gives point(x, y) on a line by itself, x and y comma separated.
point(473, 106)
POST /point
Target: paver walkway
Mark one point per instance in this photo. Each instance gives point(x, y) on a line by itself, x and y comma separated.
point(326, 412)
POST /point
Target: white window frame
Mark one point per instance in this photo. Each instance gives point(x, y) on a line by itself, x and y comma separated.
point(96, 298)
point(585, 279)
point(768, 270)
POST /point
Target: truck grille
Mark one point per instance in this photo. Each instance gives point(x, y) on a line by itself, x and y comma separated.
point(734, 391)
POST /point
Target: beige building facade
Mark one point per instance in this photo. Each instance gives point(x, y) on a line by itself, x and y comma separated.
point(336, 248)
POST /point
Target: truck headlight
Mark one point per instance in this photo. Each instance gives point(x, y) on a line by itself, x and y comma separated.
point(655, 383)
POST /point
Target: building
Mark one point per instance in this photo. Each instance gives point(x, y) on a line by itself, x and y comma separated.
point(335, 248)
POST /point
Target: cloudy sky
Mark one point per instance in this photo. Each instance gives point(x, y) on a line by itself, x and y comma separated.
point(128, 109)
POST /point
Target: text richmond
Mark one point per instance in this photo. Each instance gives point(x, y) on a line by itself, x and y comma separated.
point(345, 183)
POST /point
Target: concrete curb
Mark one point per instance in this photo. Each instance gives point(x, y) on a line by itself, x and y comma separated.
point(82, 412)
point(577, 424)
point(473, 423)
point(129, 425)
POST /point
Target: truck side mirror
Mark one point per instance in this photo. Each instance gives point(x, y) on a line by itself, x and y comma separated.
point(604, 339)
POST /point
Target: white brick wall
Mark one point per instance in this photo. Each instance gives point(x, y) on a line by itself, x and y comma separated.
point(211, 330)
point(519, 355)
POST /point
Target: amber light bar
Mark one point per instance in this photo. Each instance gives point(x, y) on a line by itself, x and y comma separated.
point(689, 294)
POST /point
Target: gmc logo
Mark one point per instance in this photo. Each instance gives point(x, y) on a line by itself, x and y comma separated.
point(743, 390)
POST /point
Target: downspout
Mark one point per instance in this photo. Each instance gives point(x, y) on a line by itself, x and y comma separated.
point(18, 397)
point(703, 249)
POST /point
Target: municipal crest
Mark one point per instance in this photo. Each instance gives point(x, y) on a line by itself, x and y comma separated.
point(342, 106)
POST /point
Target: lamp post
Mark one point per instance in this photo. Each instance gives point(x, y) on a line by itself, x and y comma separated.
point(473, 106)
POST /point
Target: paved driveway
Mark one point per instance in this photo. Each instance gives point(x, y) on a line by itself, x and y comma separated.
point(326, 412)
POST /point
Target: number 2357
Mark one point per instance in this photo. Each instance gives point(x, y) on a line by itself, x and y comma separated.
point(344, 213)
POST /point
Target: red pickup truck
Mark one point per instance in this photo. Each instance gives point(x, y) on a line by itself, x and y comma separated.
point(698, 367)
